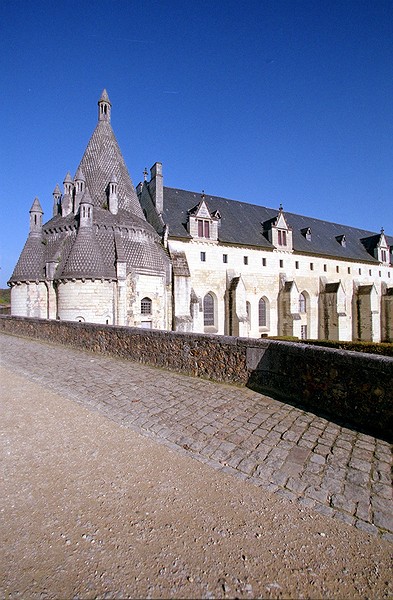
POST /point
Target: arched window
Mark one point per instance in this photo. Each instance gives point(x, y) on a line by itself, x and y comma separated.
point(146, 306)
point(302, 303)
point(262, 313)
point(208, 310)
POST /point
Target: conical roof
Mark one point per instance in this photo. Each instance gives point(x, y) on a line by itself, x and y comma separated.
point(103, 159)
point(36, 206)
point(30, 266)
point(79, 175)
point(85, 258)
point(68, 178)
point(104, 96)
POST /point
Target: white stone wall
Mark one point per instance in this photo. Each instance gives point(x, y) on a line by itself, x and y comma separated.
point(88, 301)
point(29, 300)
point(141, 286)
point(263, 280)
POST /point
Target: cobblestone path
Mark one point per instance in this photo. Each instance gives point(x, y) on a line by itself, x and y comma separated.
point(333, 469)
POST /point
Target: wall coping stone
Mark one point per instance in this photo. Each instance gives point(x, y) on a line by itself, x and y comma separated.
point(351, 387)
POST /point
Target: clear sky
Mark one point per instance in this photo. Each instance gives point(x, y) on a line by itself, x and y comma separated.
point(268, 101)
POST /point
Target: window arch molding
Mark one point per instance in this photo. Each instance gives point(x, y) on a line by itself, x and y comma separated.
point(210, 312)
point(304, 300)
point(146, 306)
point(264, 313)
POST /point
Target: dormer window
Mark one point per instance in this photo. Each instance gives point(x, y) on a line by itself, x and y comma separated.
point(278, 232)
point(341, 240)
point(306, 232)
point(203, 228)
point(202, 223)
point(377, 245)
point(282, 237)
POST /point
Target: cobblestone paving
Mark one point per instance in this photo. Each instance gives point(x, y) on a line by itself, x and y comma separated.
point(332, 469)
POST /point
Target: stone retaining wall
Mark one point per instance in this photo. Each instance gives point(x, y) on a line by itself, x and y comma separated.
point(350, 386)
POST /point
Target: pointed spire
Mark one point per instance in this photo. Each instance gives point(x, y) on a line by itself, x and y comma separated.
point(104, 107)
point(68, 183)
point(104, 96)
point(57, 191)
point(87, 198)
point(79, 176)
point(80, 181)
point(36, 206)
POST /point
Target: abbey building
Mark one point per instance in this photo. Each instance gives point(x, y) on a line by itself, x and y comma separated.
point(171, 259)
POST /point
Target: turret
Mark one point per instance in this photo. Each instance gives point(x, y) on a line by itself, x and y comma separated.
point(80, 187)
point(86, 211)
point(56, 200)
point(104, 107)
point(36, 213)
point(112, 195)
point(66, 202)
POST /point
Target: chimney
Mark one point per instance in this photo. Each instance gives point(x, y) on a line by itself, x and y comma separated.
point(156, 186)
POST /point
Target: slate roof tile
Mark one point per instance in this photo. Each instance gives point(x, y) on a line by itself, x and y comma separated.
point(143, 255)
point(242, 223)
point(85, 258)
point(103, 159)
point(30, 266)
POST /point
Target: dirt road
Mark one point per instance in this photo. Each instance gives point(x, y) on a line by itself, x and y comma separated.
point(92, 509)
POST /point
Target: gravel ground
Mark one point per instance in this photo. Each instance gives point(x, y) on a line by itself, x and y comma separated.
point(90, 509)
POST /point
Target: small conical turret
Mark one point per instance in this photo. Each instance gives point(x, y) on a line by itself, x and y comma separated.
point(66, 202)
point(56, 200)
point(113, 199)
point(80, 186)
point(68, 183)
point(86, 210)
point(104, 107)
point(36, 213)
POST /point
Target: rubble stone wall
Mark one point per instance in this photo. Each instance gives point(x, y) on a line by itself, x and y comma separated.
point(353, 387)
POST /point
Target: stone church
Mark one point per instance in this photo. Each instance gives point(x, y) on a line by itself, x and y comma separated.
point(171, 259)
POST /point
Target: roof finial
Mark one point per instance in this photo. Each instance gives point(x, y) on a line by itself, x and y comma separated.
point(203, 194)
point(104, 107)
point(280, 208)
point(145, 174)
point(382, 230)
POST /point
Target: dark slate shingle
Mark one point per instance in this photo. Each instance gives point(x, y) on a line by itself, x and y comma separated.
point(242, 224)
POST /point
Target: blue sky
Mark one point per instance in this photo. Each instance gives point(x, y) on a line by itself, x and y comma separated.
point(267, 102)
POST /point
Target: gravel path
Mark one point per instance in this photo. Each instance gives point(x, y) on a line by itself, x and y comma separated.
point(90, 508)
